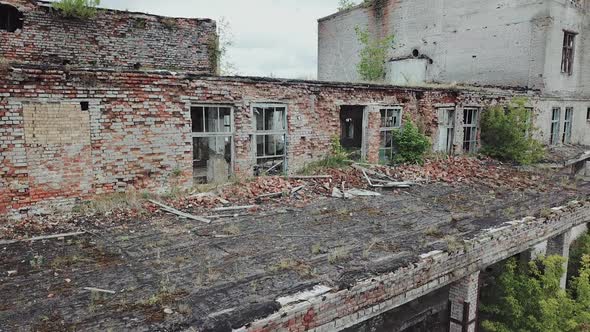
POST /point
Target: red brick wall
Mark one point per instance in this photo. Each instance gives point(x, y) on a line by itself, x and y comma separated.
point(140, 126)
point(111, 39)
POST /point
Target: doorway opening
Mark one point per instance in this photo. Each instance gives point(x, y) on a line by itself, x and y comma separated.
point(351, 129)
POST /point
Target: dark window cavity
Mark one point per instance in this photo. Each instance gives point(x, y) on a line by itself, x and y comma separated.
point(271, 138)
point(567, 125)
point(84, 105)
point(10, 18)
point(555, 125)
point(470, 128)
point(567, 56)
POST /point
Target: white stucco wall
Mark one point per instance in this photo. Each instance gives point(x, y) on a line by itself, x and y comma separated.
point(580, 127)
point(483, 42)
point(567, 17)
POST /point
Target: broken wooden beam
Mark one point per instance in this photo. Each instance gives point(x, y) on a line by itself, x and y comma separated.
point(99, 290)
point(179, 213)
point(309, 177)
point(233, 208)
point(41, 238)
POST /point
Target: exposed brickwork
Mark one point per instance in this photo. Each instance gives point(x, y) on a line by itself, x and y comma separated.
point(140, 126)
point(463, 297)
point(111, 39)
point(369, 298)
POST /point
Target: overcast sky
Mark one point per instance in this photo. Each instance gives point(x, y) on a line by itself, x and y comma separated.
point(271, 37)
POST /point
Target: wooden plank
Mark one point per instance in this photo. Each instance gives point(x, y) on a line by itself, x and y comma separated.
point(46, 237)
point(172, 210)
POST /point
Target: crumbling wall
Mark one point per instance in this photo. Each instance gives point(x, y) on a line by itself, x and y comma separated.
point(134, 129)
point(112, 39)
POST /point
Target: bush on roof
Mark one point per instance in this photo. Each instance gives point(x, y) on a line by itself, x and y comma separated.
point(82, 9)
point(507, 134)
point(410, 144)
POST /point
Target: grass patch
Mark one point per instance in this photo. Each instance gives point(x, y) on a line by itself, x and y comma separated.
point(106, 204)
point(338, 255)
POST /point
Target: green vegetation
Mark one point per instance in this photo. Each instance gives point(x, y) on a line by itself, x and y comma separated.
point(338, 158)
point(82, 9)
point(578, 249)
point(411, 145)
point(373, 55)
point(531, 300)
point(506, 134)
point(345, 5)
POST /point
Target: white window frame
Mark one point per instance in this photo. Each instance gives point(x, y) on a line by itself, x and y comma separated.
point(448, 124)
point(567, 125)
point(215, 134)
point(384, 131)
point(555, 129)
point(471, 144)
point(264, 133)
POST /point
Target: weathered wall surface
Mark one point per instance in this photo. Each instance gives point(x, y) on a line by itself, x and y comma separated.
point(135, 127)
point(111, 39)
point(478, 42)
point(343, 308)
point(472, 42)
point(567, 17)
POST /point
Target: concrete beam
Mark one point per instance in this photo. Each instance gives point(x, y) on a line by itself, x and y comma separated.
point(463, 300)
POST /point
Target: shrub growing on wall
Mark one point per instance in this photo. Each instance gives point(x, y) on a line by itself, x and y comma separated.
point(507, 134)
point(373, 55)
point(82, 9)
point(411, 145)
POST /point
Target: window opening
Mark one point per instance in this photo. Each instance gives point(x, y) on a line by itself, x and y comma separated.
point(11, 19)
point(567, 56)
point(567, 125)
point(271, 139)
point(555, 125)
point(470, 129)
point(446, 129)
point(212, 128)
point(390, 121)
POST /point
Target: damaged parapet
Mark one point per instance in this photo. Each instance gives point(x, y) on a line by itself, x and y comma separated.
point(35, 33)
point(324, 309)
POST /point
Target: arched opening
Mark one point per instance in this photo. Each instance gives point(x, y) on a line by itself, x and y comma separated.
point(11, 19)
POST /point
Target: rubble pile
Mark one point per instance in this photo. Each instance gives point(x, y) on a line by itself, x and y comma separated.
point(466, 170)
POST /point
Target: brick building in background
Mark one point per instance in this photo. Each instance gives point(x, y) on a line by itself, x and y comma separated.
point(537, 45)
point(129, 100)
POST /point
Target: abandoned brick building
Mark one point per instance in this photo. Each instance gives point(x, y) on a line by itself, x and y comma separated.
point(537, 45)
point(131, 100)
point(128, 101)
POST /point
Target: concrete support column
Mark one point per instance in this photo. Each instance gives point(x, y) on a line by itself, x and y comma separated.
point(533, 253)
point(463, 300)
point(560, 245)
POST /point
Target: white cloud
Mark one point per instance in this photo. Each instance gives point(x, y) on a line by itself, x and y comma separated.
point(277, 37)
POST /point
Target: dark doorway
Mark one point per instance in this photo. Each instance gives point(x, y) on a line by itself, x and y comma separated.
point(351, 124)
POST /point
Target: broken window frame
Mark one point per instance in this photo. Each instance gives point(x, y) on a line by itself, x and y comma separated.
point(218, 133)
point(567, 125)
point(567, 54)
point(471, 129)
point(278, 161)
point(448, 124)
point(588, 114)
point(386, 152)
point(555, 126)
